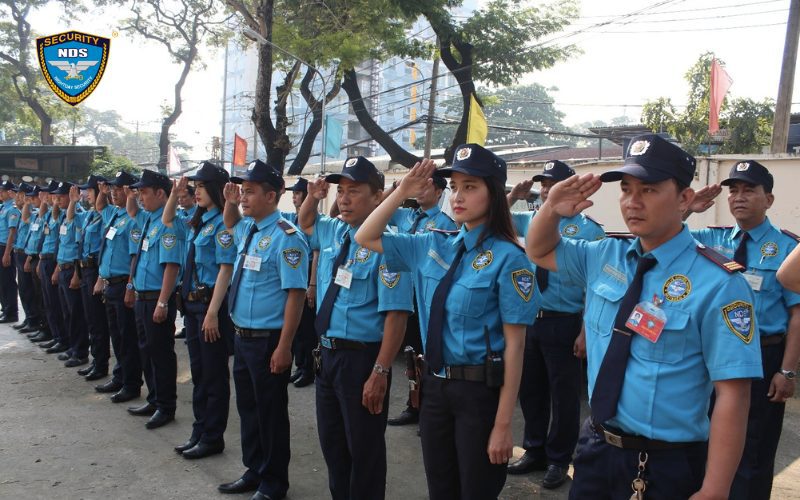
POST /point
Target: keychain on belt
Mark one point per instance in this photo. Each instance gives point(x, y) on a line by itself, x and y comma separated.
point(638, 485)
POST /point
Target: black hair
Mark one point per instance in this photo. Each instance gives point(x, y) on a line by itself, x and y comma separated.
point(498, 218)
point(190, 190)
point(214, 190)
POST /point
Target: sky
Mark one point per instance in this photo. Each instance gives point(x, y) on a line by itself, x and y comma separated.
point(622, 65)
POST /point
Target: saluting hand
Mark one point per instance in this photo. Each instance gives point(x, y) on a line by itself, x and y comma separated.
point(570, 197)
point(104, 188)
point(232, 193)
point(318, 189)
point(74, 194)
point(521, 190)
point(182, 184)
point(374, 393)
point(704, 198)
point(129, 193)
point(417, 178)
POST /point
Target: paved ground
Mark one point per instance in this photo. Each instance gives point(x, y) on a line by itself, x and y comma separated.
point(61, 439)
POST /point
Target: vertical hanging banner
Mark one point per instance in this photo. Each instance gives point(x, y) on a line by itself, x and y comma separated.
point(720, 83)
point(73, 63)
point(239, 151)
point(477, 128)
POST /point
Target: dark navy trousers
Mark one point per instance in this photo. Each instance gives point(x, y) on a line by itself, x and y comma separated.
point(72, 308)
point(27, 292)
point(208, 362)
point(95, 313)
point(157, 351)
point(262, 400)
point(8, 288)
point(305, 340)
point(52, 303)
point(549, 393)
point(124, 338)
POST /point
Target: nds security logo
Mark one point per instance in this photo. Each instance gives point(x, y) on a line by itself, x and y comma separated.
point(73, 63)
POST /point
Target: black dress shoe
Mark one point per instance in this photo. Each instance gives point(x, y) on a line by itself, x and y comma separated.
point(40, 337)
point(241, 485)
point(409, 416)
point(203, 450)
point(73, 362)
point(159, 419)
point(528, 462)
point(64, 356)
point(186, 446)
point(296, 375)
point(260, 496)
point(108, 387)
point(145, 410)
point(57, 348)
point(96, 375)
point(304, 381)
point(28, 329)
point(47, 345)
point(554, 477)
point(86, 370)
point(20, 326)
point(33, 335)
point(124, 395)
point(8, 319)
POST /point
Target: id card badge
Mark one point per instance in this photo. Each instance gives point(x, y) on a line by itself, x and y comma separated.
point(344, 277)
point(62, 230)
point(648, 320)
point(111, 233)
point(146, 244)
point(252, 263)
point(754, 280)
point(46, 229)
point(35, 227)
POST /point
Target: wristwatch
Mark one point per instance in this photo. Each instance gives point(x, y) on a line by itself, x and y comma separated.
point(129, 286)
point(788, 374)
point(162, 305)
point(380, 370)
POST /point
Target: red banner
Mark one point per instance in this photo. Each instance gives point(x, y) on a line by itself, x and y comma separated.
point(239, 151)
point(720, 83)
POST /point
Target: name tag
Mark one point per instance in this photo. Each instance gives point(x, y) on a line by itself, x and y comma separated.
point(62, 230)
point(145, 244)
point(344, 277)
point(755, 281)
point(252, 263)
point(111, 233)
point(46, 229)
point(35, 227)
point(647, 320)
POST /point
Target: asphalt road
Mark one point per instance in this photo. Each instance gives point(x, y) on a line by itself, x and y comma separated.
point(61, 439)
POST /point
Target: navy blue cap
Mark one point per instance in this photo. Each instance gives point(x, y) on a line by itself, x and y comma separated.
point(123, 178)
point(651, 158)
point(209, 172)
point(153, 179)
point(92, 181)
point(8, 186)
point(51, 187)
point(62, 188)
point(260, 172)
point(23, 187)
point(475, 160)
point(555, 170)
point(750, 172)
point(359, 169)
point(34, 191)
point(439, 181)
point(301, 185)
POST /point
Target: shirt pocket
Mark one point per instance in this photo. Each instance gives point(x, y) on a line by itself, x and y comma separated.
point(471, 295)
point(360, 285)
point(672, 342)
point(601, 308)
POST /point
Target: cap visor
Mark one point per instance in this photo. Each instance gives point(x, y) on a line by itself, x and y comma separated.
point(448, 172)
point(635, 170)
point(541, 177)
point(739, 178)
point(139, 185)
point(337, 178)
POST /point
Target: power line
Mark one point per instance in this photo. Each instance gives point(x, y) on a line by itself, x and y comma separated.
point(691, 30)
point(692, 19)
point(748, 4)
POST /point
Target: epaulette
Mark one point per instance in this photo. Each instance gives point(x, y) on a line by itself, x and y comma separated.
point(620, 235)
point(286, 226)
point(446, 232)
point(593, 220)
point(790, 234)
point(717, 258)
point(720, 227)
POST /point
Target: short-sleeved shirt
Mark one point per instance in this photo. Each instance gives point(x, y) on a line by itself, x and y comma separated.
point(89, 232)
point(213, 245)
point(767, 248)
point(561, 294)
point(51, 230)
point(36, 232)
point(9, 218)
point(274, 262)
point(159, 246)
point(24, 230)
point(68, 240)
point(359, 312)
point(708, 335)
point(186, 213)
point(433, 218)
point(492, 286)
point(115, 260)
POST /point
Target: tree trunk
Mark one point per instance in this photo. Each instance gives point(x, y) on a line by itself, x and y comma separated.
point(276, 152)
point(169, 121)
point(261, 109)
point(396, 152)
point(462, 71)
point(304, 152)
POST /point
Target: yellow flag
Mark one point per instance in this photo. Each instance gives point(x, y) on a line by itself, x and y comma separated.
point(477, 129)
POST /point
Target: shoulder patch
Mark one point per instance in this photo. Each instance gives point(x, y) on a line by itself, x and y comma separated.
point(168, 241)
point(286, 226)
point(790, 234)
point(739, 319)
point(482, 260)
point(523, 283)
point(293, 257)
point(731, 266)
point(225, 239)
point(388, 278)
point(136, 235)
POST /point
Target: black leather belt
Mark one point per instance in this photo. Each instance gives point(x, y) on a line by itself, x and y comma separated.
point(769, 340)
point(197, 296)
point(115, 280)
point(619, 439)
point(335, 344)
point(19, 251)
point(469, 373)
point(46, 256)
point(91, 262)
point(254, 333)
point(66, 266)
point(153, 295)
point(544, 313)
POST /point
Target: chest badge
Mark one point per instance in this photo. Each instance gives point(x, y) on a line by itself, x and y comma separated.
point(769, 249)
point(224, 238)
point(482, 260)
point(208, 230)
point(388, 278)
point(570, 230)
point(677, 287)
point(292, 256)
point(523, 283)
point(264, 242)
point(362, 254)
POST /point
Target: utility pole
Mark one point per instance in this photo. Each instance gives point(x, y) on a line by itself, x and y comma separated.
point(432, 102)
point(783, 106)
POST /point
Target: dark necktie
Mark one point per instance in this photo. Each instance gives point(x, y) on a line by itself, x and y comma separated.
point(105, 233)
point(189, 272)
point(740, 255)
point(323, 320)
point(433, 344)
point(421, 215)
point(237, 274)
point(608, 386)
point(542, 278)
point(135, 262)
point(58, 235)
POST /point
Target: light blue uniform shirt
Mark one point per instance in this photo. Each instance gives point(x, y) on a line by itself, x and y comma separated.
point(434, 218)
point(766, 250)
point(213, 246)
point(90, 232)
point(116, 258)
point(23, 230)
point(68, 244)
point(708, 335)
point(187, 214)
point(282, 265)
point(493, 285)
point(160, 246)
point(36, 232)
point(51, 229)
point(562, 294)
point(9, 218)
point(358, 312)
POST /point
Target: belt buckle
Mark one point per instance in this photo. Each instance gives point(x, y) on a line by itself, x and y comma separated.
point(447, 372)
point(326, 342)
point(612, 439)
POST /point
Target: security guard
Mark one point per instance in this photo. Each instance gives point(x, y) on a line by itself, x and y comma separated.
point(475, 290)
point(35, 214)
point(549, 394)
point(89, 225)
point(362, 309)
point(155, 272)
point(48, 249)
point(68, 282)
point(9, 220)
point(115, 266)
point(24, 280)
point(186, 210)
point(667, 320)
point(760, 247)
point(411, 221)
point(204, 292)
point(266, 300)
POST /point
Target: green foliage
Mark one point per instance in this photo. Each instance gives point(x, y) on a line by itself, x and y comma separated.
point(108, 164)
